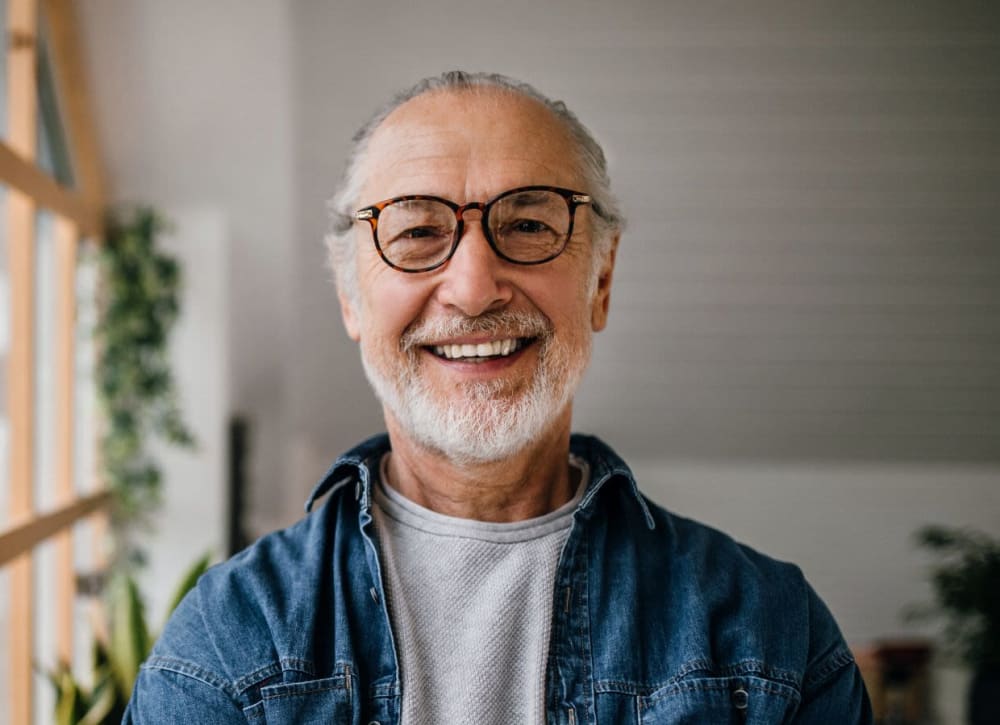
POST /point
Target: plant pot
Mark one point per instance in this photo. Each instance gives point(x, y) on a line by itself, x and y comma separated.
point(984, 697)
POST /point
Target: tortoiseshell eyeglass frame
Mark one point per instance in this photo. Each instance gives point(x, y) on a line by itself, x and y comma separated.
point(572, 198)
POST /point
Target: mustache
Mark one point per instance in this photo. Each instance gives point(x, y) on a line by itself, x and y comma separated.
point(499, 323)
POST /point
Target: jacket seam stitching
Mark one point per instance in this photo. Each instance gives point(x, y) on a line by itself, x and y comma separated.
point(285, 664)
point(822, 672)
point(706, 667)
point(297, 689)
point(767, 687)
point(194, 672)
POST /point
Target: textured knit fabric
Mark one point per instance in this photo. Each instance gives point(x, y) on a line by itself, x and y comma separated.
point(471, 604)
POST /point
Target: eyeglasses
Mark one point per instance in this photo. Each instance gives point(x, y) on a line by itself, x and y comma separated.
point(527, 225)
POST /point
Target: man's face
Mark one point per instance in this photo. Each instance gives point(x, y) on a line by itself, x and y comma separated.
point(480, 357)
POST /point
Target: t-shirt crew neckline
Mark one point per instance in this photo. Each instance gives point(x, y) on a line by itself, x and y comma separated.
point(409, 513)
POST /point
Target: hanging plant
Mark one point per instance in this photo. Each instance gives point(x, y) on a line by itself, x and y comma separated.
point(138, 307)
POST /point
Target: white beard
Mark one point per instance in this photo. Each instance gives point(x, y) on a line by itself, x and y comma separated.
point(482, 421)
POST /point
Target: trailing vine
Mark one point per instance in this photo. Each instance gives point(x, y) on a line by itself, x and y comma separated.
point(138, 306)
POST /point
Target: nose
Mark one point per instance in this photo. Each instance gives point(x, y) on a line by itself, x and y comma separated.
point(473, 279)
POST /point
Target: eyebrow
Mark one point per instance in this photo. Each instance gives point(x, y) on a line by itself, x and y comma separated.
point(526, 198)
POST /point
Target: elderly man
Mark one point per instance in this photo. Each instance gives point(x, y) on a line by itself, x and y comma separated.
point(479, 564)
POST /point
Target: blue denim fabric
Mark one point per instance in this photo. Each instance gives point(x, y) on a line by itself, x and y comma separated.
point(657, 619)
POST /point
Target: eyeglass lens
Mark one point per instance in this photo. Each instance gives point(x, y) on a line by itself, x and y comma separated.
point(526, 226)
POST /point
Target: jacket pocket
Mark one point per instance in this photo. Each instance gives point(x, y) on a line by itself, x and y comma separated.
point(720, 701)
point(314, 702)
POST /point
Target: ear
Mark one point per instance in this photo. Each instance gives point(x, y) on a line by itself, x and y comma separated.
point(350, 316)
point(602, 295)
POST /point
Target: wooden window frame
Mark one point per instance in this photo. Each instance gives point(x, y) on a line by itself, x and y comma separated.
point(78, 213)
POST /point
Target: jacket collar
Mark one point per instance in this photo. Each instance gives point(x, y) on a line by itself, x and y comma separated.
point(606, 466)
point(356, 466)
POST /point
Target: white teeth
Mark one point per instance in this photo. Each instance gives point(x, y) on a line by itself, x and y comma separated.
point(480, 350)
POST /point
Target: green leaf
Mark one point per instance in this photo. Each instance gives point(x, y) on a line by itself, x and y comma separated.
point(130, 643)
point(102, 702)
point(67, 699)
point(966, 585)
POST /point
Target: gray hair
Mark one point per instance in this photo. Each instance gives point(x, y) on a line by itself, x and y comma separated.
point(608, 219)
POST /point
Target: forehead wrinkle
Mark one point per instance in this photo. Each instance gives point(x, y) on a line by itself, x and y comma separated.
point(481, 177)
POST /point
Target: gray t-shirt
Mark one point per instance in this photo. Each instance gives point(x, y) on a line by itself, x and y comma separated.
point(471, 607)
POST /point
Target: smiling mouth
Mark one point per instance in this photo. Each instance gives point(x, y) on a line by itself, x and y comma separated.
point(480, 352)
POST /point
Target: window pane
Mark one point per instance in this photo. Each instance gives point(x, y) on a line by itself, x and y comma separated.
point(44, 655)
point(45, 368)
point(5, 323)
point(3, 70)
point(85, 403)
point(84, 562)
point(53, 154)
point(4, 643)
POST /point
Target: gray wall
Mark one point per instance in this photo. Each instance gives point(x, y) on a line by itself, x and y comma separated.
point(804, 344)
point(812, 269)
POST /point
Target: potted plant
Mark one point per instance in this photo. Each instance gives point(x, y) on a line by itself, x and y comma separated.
point(966, 584)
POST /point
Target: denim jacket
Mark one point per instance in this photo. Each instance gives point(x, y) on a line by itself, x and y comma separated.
point(657, 619)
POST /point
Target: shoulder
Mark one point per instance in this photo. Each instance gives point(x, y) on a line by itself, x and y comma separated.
point(254, 615)
point(763, 621)
point(717, 560)
point(705, 578)
point(729, 607)
point(712, 567)
point(744, 571)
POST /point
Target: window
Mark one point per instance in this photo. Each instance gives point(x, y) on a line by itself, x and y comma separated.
point(51, 506)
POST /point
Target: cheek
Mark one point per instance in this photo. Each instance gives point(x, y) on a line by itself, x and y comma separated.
point(566, 305)
point(391, 302)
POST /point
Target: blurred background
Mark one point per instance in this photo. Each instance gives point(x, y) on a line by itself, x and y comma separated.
point(804, 343)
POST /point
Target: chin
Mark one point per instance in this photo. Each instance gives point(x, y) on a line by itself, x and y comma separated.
point(484, 430)
point(484, 421)
point(486, 426)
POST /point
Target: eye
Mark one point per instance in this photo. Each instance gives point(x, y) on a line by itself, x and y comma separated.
point(421, 232)
point(527, 226)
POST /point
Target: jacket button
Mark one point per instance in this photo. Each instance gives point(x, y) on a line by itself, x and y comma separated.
point(740, 699)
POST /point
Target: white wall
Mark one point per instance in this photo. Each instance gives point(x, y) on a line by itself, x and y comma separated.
point(194, 109)
point(194, 515)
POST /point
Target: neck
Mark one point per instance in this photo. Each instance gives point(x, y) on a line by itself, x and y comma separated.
point(533, 482)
